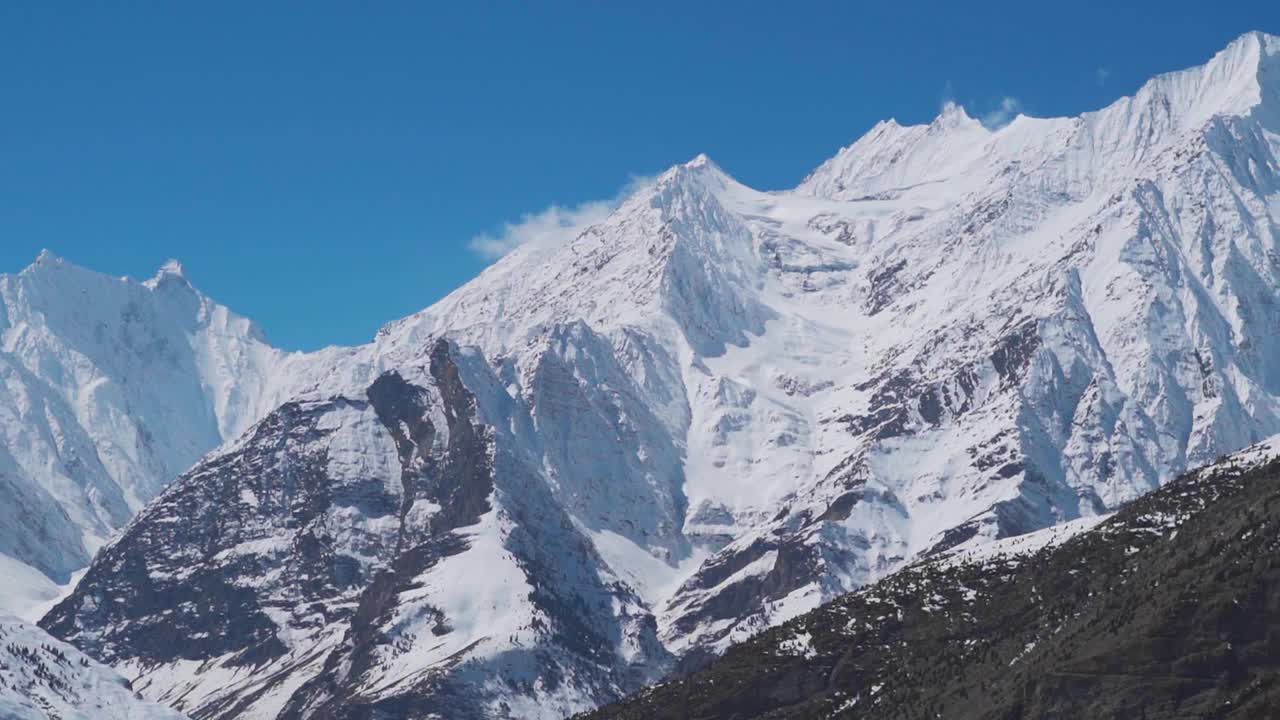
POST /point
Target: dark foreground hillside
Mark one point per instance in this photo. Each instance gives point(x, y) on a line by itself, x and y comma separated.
point(1171, 609)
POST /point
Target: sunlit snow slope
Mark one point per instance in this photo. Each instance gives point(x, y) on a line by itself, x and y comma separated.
point(45, 679)
point(108, 389)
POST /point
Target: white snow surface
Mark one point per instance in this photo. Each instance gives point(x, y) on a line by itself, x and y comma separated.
point(24, 588)
point(946, 335)
point(108, 389)
point(42, 678)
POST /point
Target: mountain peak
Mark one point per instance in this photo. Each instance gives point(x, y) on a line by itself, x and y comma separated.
point(171, 267)
point(1252, 42)
point(1237, 81)
point(1241, 80)
point(46, 257)
point(953, 116)
point(700, 160)
point(47, 262)
point(891, 156)
point(700, 173)
point(700, 166)
point(169, 272)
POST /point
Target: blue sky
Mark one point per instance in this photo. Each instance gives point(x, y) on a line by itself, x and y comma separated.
point(327, 167)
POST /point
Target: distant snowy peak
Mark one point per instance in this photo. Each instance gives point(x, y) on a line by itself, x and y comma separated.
point(124, 328)
point(110, 387)
point(891, 157)
point(170, 269)
point(1241, 80)
point(50, 286)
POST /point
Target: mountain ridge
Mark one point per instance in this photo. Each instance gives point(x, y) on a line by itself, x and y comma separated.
point(729, 406)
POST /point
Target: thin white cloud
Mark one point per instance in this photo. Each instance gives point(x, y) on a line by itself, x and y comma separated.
point(1102, 75)
point(948, 97)
point(1003, 115)
point(545, 228)
point(551, 226)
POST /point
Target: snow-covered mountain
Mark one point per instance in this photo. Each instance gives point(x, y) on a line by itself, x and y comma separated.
point(605, 460)
point(45, 679)
point(108, 389)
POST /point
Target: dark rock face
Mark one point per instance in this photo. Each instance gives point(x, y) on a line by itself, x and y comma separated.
point(456, 478)
point(904, 402)
point(164, 592)
point(794, 565)
point(1165, 610)
point(580, 637)
point(301, 563)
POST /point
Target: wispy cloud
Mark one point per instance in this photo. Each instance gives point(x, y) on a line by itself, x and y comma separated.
point(551, 226)
point(546, 228)
point(948, 97)
point(1004, 114)
point(1102, 75)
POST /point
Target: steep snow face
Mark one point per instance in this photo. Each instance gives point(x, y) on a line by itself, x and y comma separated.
point(955, 155)
point(42, 678)
point(721, 406)
point(108, 389)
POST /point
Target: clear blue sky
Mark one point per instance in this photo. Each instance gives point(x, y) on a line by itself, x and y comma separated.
point(321, 166)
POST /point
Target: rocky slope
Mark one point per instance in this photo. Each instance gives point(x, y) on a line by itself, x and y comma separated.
point(1167, 609)
point(44, 679)
point(605, 460)
point(391, 551)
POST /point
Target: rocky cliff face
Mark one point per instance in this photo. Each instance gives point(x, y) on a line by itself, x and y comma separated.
point(605, 460)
